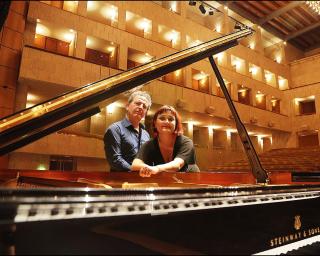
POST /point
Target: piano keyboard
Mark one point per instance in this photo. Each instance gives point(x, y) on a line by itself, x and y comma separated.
point(230, 211)
point(102, 207)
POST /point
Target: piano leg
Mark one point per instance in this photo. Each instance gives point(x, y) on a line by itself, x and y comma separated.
point(7, 239)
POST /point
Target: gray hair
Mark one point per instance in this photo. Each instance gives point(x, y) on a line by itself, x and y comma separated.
point(141, 94)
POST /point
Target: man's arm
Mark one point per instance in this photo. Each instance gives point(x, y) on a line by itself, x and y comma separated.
point(112, 146)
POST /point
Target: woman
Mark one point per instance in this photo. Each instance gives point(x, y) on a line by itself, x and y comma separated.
point(169, 150)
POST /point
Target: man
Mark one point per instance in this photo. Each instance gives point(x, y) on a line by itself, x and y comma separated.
point(123, 139)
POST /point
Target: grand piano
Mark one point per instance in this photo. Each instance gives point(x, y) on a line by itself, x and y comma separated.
point(48, 212)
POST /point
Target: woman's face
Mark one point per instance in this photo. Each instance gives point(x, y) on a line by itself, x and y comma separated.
point(165, 123)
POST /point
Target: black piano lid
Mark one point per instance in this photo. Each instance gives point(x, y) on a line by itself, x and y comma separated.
point(26, 126)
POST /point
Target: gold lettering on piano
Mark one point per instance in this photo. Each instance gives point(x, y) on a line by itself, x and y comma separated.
point(282, 240)
point(285, 239)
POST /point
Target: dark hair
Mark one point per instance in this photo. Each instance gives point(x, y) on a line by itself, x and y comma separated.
point(166, 108)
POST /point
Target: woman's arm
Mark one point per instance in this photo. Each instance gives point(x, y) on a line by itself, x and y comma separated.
point(174, 165)
point(147, 170)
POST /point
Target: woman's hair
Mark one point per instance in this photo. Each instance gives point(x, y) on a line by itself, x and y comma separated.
point(166, 108)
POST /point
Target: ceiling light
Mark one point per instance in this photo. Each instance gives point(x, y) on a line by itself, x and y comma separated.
point(68, 36)
point(278, 59)
point(31, 97)
point(145, 24)
point(111, 13)
point(110, 49)
point(173, 7)
point(251, 45)
point(202, 9)
point(314, 5)
point(253, 70)
point(218, 28)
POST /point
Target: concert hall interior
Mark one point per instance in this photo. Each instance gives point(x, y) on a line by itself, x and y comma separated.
point(244, 76)
point(51, 47)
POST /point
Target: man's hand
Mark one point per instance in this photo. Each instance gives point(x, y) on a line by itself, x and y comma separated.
point(147, 171)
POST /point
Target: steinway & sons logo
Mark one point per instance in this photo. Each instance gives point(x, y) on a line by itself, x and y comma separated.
point(299, 234)
point(297, 222)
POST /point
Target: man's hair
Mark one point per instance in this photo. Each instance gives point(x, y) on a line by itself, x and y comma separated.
point(140, 94)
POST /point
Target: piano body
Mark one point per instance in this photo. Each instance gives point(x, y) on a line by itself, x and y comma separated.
point(171, 213)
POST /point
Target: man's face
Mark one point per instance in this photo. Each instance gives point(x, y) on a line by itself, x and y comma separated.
point(137, 108)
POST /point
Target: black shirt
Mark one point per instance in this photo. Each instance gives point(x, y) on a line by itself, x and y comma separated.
point(183, 148)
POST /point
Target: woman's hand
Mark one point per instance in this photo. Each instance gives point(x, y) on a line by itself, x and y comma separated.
point(147, 171)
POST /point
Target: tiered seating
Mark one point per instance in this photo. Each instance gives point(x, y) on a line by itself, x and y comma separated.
point(284, 159)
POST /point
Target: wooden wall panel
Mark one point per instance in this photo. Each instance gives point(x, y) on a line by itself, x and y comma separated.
point(131, 64)
point(11, 43)
point(4, 111)
point(18, 7)
point(307, 108)
point(12, 39)
point(7, 97)
point(275, 107)
point(4, 161)
point(58, 4)
point(51, 44)
point(40, 41)
point(262, 103)
point(8, 77)
point(308, 140)
point(9, 58)
point(63, 47)
point(97, 57)
point(15, 21)
point(195, 84)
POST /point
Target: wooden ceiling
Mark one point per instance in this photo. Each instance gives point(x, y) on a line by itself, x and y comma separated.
point(292, 21)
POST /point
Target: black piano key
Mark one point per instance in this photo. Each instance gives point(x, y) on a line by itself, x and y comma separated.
point(102, 209)
point(113, 209)
point(89, 210)
point(32, 212)
point(54, 211)
point(69, 211)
